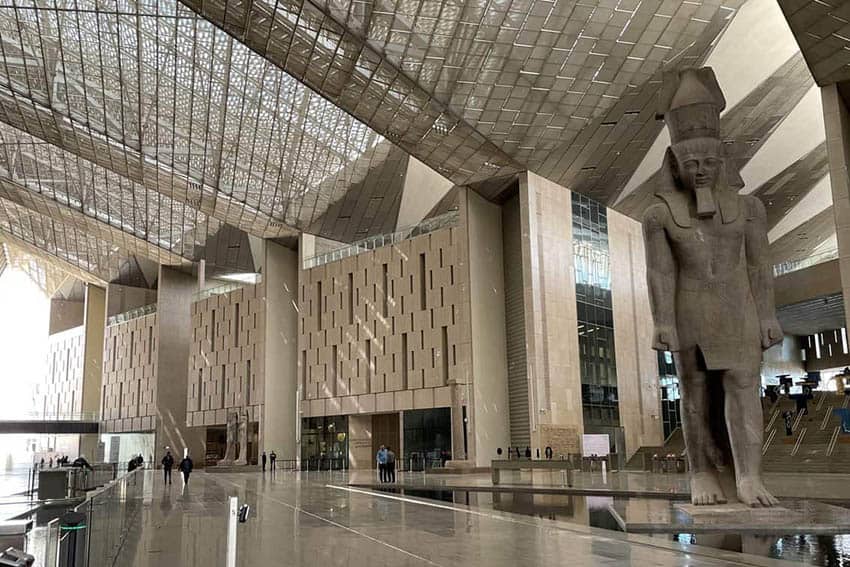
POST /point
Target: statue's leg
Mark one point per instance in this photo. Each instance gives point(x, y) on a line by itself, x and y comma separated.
point(745, 424)
point(705, 486)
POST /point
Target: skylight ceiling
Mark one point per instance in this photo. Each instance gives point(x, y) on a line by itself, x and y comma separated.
point(157, 94)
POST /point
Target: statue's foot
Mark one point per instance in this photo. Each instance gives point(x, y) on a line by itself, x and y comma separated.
point(752, 492)
point(705, 489)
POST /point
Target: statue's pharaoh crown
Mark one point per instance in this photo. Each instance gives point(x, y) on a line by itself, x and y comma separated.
point(691, 102)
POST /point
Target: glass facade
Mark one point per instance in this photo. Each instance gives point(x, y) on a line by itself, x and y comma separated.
point(324, 443)
point(671, 412)
point(427, 438)
point(595, 316)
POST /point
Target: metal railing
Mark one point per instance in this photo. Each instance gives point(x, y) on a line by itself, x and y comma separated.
point(134, 313)
point(768, 441)
point(793, 266)
point(226, 287)
point(799, 442)
point(109, 515)
point(832, 441)
point(445, 220)
point(826, 417)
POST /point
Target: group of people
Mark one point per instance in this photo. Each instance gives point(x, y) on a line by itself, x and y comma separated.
point(185, 467)
point(386, 464)
point(272, 459)
point(136, 462)
point(61, 461)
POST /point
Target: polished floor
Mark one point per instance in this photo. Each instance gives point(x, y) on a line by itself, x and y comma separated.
point(316, 520)
point(816, 486)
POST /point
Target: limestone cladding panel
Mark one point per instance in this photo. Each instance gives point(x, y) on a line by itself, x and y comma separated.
point(62, 394)
point(637, 363)
point(129, 375)
point(390, 321)
point(551, 319)
point(227, 357)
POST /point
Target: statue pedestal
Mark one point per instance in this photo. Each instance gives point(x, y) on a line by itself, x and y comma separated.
point(790, 517)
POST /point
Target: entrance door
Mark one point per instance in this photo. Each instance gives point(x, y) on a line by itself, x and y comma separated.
point(385, 431)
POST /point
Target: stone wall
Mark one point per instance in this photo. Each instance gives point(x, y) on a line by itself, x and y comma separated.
point(386, 330)
point(130, 375)
point(226, 360)
point(64, 383)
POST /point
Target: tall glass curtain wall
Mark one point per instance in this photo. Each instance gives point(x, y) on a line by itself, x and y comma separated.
point(595, 315)
point(671, 414)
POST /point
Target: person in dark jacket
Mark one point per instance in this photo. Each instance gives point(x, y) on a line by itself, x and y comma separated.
point(167, 465)
point(186, 467)
point(390, 465)
point(81, 462)
point(264, 461)
point(132, 465)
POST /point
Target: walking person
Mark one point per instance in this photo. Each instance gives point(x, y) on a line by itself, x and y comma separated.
point(272, 459)
point(263, 458)
point(186, 467)
point(390, 465)
point(381, 458)
point(167, 465)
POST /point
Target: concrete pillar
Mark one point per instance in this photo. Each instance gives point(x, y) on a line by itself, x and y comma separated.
point(94, 320)
point(837, 122)
point(174, 303)
point(360, 455)
point(489, 416)
point(637, 363)
point(281, 411)
point(551, 316)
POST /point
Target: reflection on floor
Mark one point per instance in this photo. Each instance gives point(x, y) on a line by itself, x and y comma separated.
point(316, 520)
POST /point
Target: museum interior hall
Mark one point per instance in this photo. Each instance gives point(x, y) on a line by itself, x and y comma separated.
point(424, 283)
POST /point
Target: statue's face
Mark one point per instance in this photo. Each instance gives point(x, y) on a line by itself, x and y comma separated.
point(699, 172)
point(698, 164)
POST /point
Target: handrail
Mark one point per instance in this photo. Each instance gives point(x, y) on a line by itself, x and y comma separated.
point(797, 421)
point(225, 287)
point(819, 405)
point(131, 314)
point(768, 441)
point(799, 441)
point(832, 441)
point(432, 224)
point(772, 420)
point(793, 266)
point(826, 417)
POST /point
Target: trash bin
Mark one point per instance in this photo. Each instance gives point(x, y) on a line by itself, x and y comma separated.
point(16, 558)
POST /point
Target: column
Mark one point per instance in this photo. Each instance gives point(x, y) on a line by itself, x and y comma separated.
point(94, 319)
point(551, 317)
point(281, 411)
point(174, 302)
point(637, 363)
point(488, 425)
point(837, 121)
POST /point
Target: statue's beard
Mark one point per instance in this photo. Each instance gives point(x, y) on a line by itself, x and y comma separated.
point(705, 201)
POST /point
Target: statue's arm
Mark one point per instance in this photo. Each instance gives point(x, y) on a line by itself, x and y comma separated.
point(761, 273)
point(661, 278)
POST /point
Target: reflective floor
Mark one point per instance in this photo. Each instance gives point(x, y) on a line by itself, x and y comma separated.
point(316, 520)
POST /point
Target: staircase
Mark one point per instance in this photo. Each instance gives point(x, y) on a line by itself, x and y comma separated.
point(816, 445)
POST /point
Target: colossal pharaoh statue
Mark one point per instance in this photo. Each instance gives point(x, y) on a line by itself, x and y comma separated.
point(711, 290)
